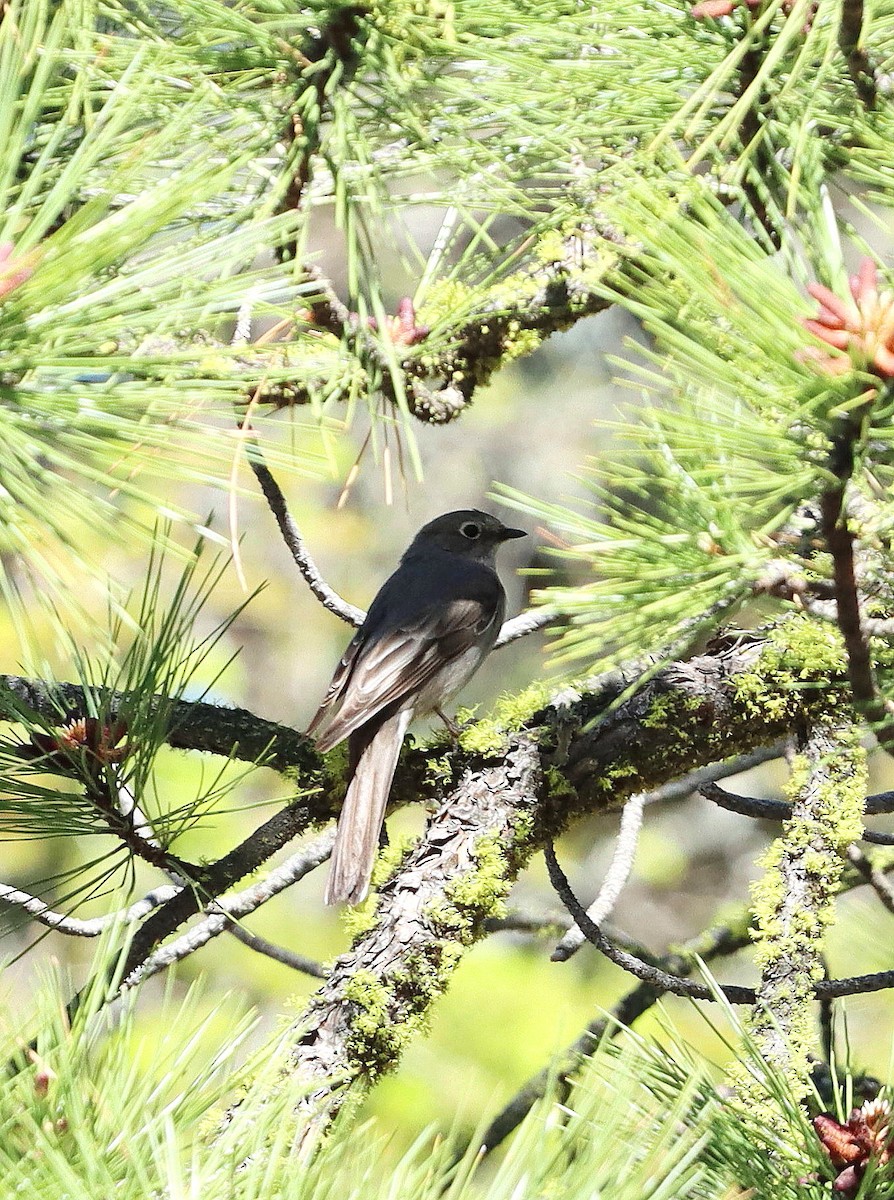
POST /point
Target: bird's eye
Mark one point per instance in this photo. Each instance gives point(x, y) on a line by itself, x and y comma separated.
point(470, 530)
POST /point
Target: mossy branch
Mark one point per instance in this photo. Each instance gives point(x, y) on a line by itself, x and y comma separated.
point(585, 753)
point(794, 900)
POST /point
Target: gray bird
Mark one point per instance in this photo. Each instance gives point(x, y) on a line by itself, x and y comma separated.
point(427, 631)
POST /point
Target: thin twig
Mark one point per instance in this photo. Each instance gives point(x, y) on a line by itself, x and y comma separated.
point(124, 819)
point(615, 877)
point(840, 542)
point(74, 926)
point(518, 921)
point(221, 913)
point(873, 876)
point(653, 975)
point(525, 623)
point(876, 981)
point(298, 962)
point(291, 535)
point(850, 37)
point(719, 942)
point(779, 810)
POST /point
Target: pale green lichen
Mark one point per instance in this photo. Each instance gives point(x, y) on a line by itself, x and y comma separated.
point(438, 772)
point(359, 918)
point(512, 711)
point(375, 1039)
point(389, 1011)
point(474, 896)
point(666, 708)
point(444, 299)
point(550, 247)
point(801, 654)
point(827, 793)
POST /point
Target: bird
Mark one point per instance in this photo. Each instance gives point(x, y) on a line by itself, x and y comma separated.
point(429, 628)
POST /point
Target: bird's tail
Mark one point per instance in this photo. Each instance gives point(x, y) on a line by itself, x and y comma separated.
point(360, 821)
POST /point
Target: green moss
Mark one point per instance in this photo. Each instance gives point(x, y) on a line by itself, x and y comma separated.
point(518, 342)
point(358, 919)
point(375, 1040)
point(512, 711)
point(443, 300)
point(557, 784)
point(388, 1013)
point(480, 893)
point(810, 648)
point(667, 708)
point(801, 653)
point(475, 896)
point(827, 793)
point(438, 772)
point(550, 248)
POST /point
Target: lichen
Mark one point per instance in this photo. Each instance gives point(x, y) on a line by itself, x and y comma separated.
point(827, 787)
point(375, 1039)
point(801, 655)
point(512, 711)
point(444, 299)
point(479, 893)
point(358, 919)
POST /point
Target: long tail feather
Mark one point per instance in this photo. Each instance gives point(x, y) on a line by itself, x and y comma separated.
point(360, 821)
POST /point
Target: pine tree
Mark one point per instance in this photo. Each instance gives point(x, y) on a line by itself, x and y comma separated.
point(171, 179)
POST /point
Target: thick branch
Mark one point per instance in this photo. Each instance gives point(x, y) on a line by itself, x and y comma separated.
point(446, 888)
point(794, 903)
point(501, 811)
point(193, 725)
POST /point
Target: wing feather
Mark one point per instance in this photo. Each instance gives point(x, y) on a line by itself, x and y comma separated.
point(377, 674)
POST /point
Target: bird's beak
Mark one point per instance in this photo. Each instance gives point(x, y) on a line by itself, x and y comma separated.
point(506, 533)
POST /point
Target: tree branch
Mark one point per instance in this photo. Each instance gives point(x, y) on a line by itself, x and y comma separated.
point(850, 38)
point(291, 535)
point(655, 976)
point(74, 926)
point(873, 876)
point(615, 878)
point(298, 962)
point(794, 902)
point(585, 753)
point(779, 810)
point(718, 942)
point(596, 748)
point(193, 725)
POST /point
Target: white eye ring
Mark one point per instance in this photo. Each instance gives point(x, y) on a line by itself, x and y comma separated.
point(470, 530)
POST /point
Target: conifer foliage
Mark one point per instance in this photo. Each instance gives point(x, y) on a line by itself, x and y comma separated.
point(215, 218)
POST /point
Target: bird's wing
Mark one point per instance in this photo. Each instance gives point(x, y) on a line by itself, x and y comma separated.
point(373, 675)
